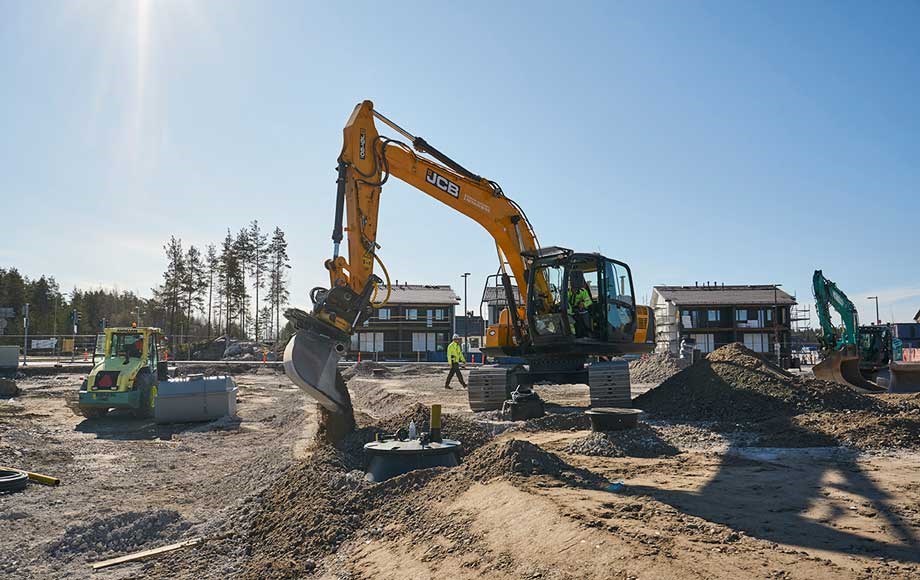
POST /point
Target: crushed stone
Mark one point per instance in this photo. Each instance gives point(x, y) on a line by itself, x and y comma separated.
point(653, 368)
point(119, 534)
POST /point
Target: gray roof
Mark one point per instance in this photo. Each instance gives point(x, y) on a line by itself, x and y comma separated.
point(422, 294)
point(746, 295)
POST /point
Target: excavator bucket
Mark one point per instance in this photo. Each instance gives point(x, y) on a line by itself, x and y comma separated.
point(842, 367)
point(904, 377)
point(310, 362)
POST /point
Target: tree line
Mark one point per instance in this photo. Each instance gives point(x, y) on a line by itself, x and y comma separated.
point(238, 288)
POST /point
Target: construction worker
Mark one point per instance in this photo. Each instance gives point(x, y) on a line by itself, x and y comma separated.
point(455, 358)
point(579, 303)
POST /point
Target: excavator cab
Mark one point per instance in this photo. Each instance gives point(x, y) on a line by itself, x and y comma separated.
point(585, 300)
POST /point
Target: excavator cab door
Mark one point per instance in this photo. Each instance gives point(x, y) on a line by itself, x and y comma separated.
point(583, 298)
point(619, 302)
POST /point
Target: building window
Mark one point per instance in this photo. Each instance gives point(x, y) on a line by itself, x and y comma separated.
point(429, 318)
point(713, 315)
point(383, 313)
point(741, 315)
point(411, 313)
point(769, 315)
point(704, 342)
point(424, 342)
point(439, 314)
point(371, 341)
point(757, 342)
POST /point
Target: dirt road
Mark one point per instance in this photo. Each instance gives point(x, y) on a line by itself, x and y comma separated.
point(128, 484)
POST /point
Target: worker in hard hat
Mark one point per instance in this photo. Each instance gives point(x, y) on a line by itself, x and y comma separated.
point(455, 358)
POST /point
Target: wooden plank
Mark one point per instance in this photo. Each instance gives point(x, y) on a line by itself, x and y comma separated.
point(145, 554)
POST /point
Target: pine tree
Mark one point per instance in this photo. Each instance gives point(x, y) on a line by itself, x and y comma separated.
point(279, 262)
point(258, 266)
point(212, 264)
point(191, 285)
point(172, 280)
point(242, 247)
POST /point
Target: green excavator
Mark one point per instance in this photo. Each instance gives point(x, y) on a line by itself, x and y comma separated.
point(853, 354)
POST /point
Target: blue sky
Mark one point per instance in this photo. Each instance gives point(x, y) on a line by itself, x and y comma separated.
point(738, 142)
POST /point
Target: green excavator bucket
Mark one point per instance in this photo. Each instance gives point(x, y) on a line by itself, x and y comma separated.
point(842, 366)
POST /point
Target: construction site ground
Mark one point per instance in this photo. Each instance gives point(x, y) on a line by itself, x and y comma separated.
point(676, 499)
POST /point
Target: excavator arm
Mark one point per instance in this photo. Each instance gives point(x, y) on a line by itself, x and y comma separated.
point(365, 164)
point(368, 160)
point(827, 294)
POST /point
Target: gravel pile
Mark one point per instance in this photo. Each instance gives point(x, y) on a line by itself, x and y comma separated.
point(642, 441)
point(118, 535)
point(514, 457)
point(559, 422)
point(653, 368)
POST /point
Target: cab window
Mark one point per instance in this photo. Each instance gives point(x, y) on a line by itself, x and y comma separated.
point(547, 301)
point(130, 344)
point(620, 302)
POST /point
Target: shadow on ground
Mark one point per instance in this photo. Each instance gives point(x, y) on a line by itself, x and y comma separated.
point(808, 497)
point(123, 426)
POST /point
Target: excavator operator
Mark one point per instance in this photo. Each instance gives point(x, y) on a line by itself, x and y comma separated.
point(579, 305)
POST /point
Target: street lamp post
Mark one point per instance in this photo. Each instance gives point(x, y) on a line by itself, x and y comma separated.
point(878, 319)
point(466, 317)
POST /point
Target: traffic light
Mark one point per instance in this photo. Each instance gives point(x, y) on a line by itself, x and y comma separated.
point(75, 318)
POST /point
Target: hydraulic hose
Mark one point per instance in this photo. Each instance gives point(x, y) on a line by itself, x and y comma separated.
point(389, 288)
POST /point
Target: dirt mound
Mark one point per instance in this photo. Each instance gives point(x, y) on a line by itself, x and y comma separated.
point(653, 368)
point(510, 458)
point(324, 501)
point(642, 441)
point(734, 384)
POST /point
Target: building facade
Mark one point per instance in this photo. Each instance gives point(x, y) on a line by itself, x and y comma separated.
point(416, 324)
point(757, 316)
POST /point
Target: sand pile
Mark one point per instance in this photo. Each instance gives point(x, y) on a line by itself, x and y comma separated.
point(653, 368)
point(734, 384)
point(643, 441)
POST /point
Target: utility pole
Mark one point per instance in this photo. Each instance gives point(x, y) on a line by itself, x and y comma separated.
point(878, 319)
point(138, 317)
point(73, 346)
point(25, 327)
point(466, 318)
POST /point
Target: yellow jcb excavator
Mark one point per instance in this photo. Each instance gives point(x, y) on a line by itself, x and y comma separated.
point(557, 336)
